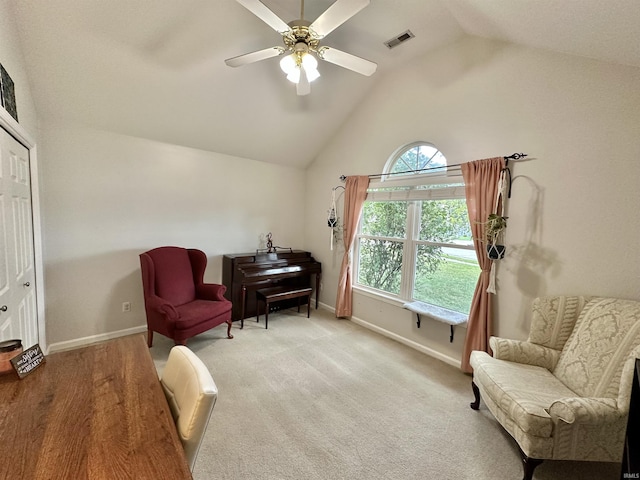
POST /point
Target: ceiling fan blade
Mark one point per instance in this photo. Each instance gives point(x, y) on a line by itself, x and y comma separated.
point(304, 86)
point(254, 56)
point(346, 60)
point(336, 15)
point(261, 11)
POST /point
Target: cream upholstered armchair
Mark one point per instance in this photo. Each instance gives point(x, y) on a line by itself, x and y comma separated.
point(191, 394)
point(564, 393)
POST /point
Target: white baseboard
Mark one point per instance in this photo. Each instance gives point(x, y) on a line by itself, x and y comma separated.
point(405, 341)
point(81, 342)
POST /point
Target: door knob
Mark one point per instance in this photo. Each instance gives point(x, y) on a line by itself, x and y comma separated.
point(26, 284)
point(4, 308)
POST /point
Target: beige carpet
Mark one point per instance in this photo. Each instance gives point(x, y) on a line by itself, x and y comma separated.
point(325, 399)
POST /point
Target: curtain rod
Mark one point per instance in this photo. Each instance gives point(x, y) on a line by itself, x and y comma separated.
point(513, 156)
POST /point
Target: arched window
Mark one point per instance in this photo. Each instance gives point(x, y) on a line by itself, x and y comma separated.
point(416, 158)
point(414, 241)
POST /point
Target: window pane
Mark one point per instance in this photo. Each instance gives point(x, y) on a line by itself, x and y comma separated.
point(384, 219)
point(446, 277)
point(419, 157)
point(380, 264)
point(445, 221)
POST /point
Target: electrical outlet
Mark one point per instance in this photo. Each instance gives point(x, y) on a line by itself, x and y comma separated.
point(126, 306)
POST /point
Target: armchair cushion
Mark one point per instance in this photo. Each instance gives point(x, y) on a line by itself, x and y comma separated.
point(194, 313)
point(519, 392)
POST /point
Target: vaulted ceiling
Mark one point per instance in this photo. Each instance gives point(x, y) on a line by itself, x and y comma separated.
point(155, 68)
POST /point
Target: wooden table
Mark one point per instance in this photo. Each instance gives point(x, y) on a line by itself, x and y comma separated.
point(98, 412)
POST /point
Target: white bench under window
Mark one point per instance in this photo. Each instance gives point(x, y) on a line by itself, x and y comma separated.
point(437, 313)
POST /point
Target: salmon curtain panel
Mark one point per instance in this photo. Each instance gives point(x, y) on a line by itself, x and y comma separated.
point(354, 196)
point(481, 180)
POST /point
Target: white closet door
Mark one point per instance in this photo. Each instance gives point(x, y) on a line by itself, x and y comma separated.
point(18, 313)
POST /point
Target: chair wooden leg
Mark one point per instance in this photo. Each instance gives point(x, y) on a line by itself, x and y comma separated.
point(529, 465)
point(149, 338)
point(476, 393)
point(229, 323)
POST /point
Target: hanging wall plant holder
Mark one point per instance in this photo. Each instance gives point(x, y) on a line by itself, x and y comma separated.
point(494, 229)
point(332, 218)
point(495, 252)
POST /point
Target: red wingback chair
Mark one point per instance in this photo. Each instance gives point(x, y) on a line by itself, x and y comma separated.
point(178, 304)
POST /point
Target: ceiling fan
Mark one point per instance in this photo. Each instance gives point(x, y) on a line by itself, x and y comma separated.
point(302, 43)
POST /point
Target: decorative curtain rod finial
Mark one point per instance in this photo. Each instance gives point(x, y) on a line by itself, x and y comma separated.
point(516, 156)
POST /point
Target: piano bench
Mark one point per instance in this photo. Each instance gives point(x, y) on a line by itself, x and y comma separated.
point(275, 294)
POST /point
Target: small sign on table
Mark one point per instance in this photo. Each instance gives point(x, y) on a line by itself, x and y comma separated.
point(28, 361)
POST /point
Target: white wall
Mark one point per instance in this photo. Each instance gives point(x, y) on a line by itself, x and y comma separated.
point(573, 216)
point(13, 62)
point(108, 197)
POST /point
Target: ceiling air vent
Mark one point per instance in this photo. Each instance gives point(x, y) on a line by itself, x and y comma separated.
point(398, 39)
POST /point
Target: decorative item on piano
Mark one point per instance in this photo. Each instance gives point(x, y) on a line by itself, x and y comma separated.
point(270, 247)
point(269, 243)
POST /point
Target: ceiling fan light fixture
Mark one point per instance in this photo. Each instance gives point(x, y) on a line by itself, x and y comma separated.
point(309, 62)
point(312, 74)
point(310, 65)
point(288, 64)
point(291, 65)
point(294, 75)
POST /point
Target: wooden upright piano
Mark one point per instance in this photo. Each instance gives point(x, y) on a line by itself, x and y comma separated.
point(244, 273)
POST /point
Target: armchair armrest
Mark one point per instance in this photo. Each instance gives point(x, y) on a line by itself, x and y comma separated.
point(524, 352)
point(162, 306)
point(211, 291)
point(586, 411)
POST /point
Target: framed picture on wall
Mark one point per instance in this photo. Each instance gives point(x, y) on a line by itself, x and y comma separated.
point(8, 93)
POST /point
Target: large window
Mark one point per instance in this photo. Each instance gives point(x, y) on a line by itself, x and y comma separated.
point(414, 241)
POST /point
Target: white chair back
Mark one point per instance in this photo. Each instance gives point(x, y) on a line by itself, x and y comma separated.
point(191, 393)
